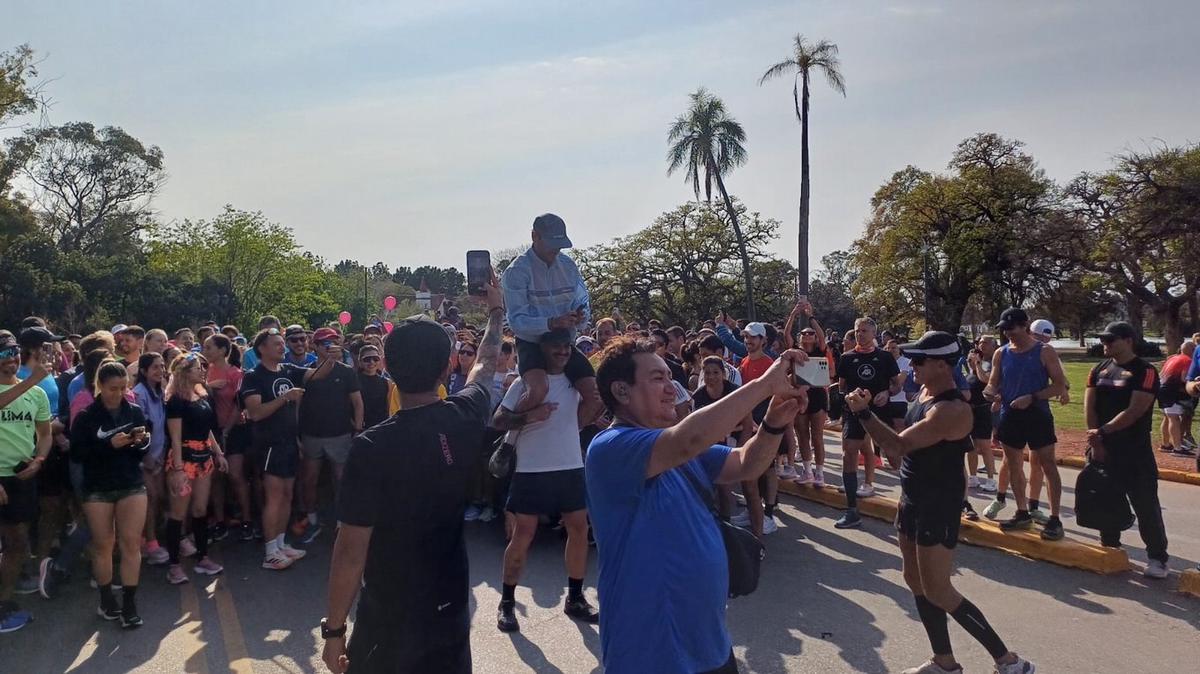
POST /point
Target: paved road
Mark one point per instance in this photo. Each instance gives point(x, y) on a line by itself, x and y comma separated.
point(829, 601)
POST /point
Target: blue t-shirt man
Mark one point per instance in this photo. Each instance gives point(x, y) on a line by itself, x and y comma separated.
point(47, 384)
point(664, 576)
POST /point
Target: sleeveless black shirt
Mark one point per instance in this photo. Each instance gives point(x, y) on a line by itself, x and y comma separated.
point(938, 468)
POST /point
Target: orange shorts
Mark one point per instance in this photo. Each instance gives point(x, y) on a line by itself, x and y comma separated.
point(193, 469)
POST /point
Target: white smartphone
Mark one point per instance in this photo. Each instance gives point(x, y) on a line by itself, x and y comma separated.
point(814, 372)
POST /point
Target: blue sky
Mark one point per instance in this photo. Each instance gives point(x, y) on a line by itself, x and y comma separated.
point(410, 132)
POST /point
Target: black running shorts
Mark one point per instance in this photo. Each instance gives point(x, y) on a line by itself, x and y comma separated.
point(1032, 427)
point(551, 493)
point(932, 518)
point(818, 400)
point(279, 460)
point(22, 506)
point(981, 426)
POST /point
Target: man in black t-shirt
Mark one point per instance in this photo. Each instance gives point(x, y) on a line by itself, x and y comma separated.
point(400, 512)
point(331, 412)
point(864, 367)
point(270, 393)
point(373, 385)
point(1119, 404)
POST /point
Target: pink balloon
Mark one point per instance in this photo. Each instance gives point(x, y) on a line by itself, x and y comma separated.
point(344, 318)
point(387, 326)
point(389, 303)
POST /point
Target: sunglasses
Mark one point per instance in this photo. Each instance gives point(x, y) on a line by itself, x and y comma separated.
point(297, 340)
point(464, 352)
point(10, 352)
point(370, 359)
point(808, 332)
point(328, 343)
point(1104, 339)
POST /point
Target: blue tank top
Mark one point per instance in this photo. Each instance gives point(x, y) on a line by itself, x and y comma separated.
point(1022, 374)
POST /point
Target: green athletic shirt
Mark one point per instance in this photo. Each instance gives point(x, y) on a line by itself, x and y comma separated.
point(18, 427)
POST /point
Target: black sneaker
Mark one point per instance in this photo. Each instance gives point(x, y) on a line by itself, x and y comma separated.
point(582, 611)
point(1019, 522)
point(969, 512)
point(217, 533)
point(1053, 531)
point(51, 578)
point(506, 617)
point(109, 612)
point(247, 532)
point(129, 615)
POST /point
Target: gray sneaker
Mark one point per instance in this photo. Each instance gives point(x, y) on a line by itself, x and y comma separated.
point(1021, 666)
point(1155, 569)
point(1038, 515)
point(994, 508)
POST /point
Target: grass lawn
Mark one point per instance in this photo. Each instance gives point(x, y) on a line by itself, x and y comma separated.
point(1070, 416)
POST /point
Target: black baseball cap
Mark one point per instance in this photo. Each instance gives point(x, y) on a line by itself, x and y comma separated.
point(1118, 330)
point(552, 229)
point(420, 337)
point(1012, 316)
point(934, 344)
point(293, 330)
point(32, 338)
point(557, 336)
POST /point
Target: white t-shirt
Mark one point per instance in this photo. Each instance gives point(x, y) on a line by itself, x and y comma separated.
point(552, 444)
point(681, 394)
point(905, 365)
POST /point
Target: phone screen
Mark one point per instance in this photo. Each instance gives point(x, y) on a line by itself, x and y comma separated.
point(479, 271)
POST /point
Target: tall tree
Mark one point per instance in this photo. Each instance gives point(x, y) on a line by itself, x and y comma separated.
point(90, 184)
point(805, 59)
point(706, 141)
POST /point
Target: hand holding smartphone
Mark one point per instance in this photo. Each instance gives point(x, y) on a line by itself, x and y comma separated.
point(479, 272)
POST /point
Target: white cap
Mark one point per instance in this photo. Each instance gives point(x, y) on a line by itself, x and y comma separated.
point(1042, 327)
point(756, 329)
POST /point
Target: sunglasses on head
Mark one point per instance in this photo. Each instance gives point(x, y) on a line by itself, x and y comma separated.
point(272, 331)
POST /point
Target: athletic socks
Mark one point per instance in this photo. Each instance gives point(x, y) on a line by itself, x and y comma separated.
point(279, 542)
point(971, 619)
point(1001, 497)
point(850, 481)
point(272, 546)
point(769, 509)
point(574, 588)
point(200, 533)
point(174, 531)
point(1033, 504)
point(107, 600)
point(934, 620)
point(509, 592)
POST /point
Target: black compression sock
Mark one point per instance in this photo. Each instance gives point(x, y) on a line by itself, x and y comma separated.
point(850, 481)
point(574, 588)
point(971, 619)
point(769, 510)
point(1033, 504)
point(1002, 497)
point(173, 533)
point(200, 533)
point(107, 600)
point(508, 592)
point(129, 594)
point(934, 620)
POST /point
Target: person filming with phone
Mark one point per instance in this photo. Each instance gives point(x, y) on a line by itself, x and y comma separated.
point(544, 291)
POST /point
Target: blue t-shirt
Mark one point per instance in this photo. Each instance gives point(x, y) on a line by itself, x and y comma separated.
point(1194, 370)
point(664, 576)
point(47, 384)
point(249, 360)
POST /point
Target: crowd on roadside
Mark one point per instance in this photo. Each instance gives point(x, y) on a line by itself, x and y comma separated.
point(149, 446)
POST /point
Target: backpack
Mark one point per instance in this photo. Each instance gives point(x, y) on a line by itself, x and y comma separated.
point(1099, 502)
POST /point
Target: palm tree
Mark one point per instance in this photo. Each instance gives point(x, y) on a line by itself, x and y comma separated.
point(806, 57)
point(708, 142)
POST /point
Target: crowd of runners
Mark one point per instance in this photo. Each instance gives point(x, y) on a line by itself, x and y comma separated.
point(129, 450)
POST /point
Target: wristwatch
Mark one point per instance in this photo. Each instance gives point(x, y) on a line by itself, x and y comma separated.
point(328, 632)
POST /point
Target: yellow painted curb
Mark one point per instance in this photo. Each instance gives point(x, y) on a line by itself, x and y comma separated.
point(1189, 582)
point(1164, 474)
point(1074, 554)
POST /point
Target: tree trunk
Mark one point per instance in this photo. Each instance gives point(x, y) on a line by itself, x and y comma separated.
point(805, 196)
point(1168, 313)
point(1136, 311)
point(741, 242)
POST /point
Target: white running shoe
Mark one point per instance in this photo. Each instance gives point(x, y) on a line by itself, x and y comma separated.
point(972, 483)
point(987, 485)
point(1021, 666)
point(1155, 569)
point(186, 547)
point(805, 476)
point(292, 553)
point(741, 519)
point(818, 476)
point(277, 561)
point(931, 667)
point(786, 472)
point(769, 526)
point(865, 490)
point(992, 511)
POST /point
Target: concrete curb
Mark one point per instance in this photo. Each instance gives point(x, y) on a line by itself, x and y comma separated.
point(1164, 474)
point(1189, 582)
point(986, 534)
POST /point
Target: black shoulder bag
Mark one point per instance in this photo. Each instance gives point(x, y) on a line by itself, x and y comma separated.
point(744, 551)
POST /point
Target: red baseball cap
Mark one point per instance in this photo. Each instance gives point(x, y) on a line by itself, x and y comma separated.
point(324, 334)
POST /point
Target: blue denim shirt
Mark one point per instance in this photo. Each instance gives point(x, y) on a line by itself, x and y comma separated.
point(535, 292)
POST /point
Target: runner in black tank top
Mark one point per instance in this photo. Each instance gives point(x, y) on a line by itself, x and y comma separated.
point(930, 452)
